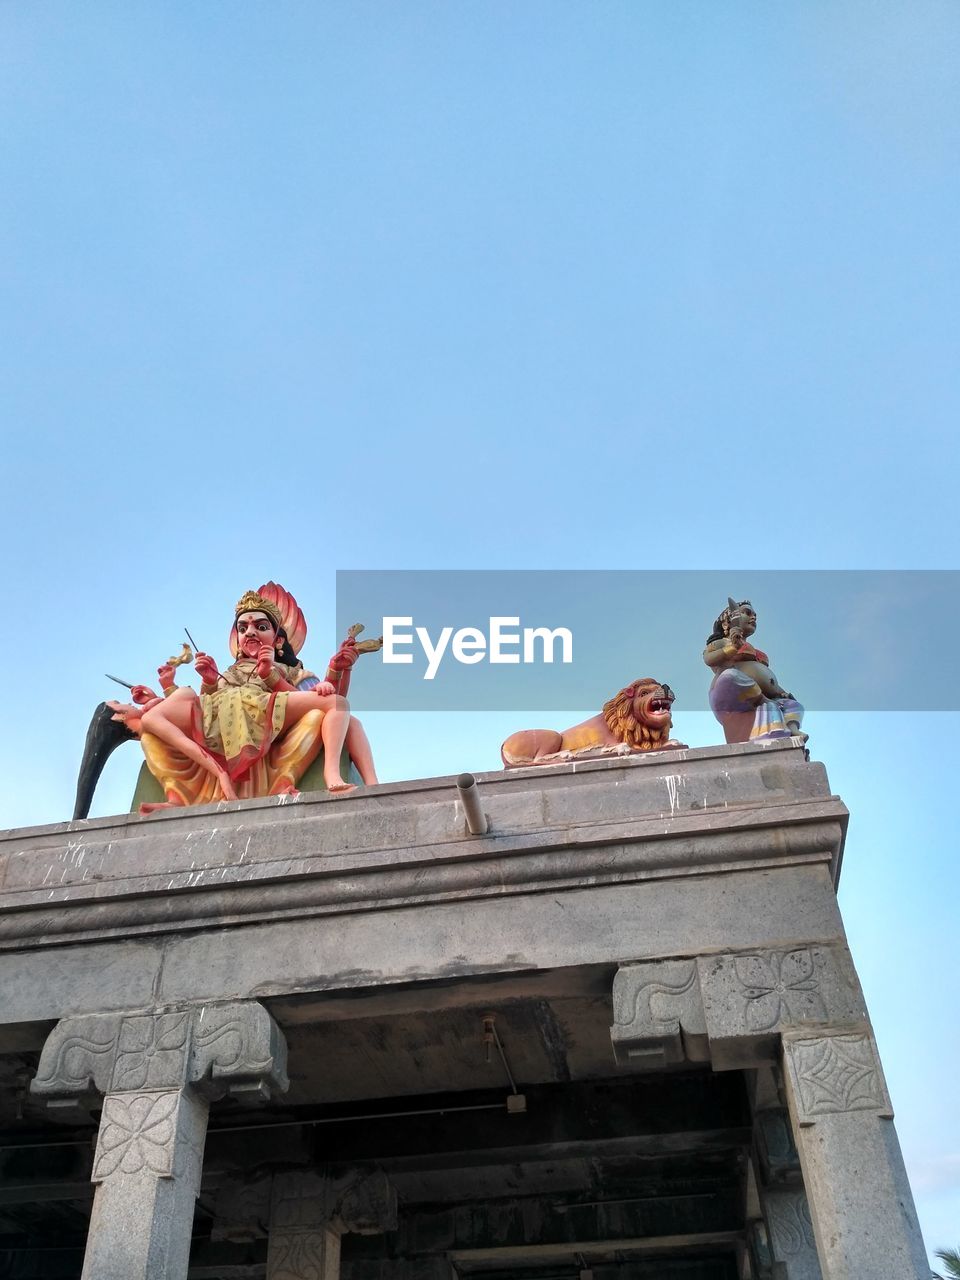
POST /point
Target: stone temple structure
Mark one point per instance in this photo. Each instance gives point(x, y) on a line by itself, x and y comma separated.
point(619, 1036)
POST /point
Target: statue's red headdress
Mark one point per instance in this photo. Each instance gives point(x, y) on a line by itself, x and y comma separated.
point(279, 604)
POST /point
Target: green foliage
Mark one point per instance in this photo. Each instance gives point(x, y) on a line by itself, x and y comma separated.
point(951, 1259)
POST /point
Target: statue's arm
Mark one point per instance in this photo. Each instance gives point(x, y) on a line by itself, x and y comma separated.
point(307, 680)
point(720, 653)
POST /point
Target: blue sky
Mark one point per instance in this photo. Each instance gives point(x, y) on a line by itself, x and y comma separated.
point(301, 287)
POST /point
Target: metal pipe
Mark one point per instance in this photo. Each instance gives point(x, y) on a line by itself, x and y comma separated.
point(477, 823)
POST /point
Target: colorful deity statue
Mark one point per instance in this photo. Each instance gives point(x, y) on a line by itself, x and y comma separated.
point(255, 728)
point(745, 695)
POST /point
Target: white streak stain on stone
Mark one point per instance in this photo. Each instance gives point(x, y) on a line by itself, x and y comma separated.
point(674, 783)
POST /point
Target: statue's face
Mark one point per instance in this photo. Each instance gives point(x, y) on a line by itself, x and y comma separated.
point(744, 617)
point(253, 630)
point(748, 619)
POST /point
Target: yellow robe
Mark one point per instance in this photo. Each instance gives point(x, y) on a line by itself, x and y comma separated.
point(242, 724)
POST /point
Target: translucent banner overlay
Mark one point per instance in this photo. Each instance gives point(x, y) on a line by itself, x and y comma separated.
point(843, 640)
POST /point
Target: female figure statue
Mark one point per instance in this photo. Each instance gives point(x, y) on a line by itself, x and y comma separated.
point(745, 695)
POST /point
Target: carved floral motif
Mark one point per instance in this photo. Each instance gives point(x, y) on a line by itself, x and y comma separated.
point(152, 1051)
point(779, 987)
point(137, 1132)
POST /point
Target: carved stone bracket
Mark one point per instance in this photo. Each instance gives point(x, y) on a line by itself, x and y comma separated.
point(309, 1213)
point(658, 1014)
point(729, 1009)
point(300, 1201)
point(359, 1201)
point(232, 1048)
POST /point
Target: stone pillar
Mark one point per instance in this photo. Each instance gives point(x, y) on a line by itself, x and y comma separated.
point(790, 1238)
point(744, 1010)
point(158, 1072)
point(861, 1205)
point(310, 1212)
point(147, 1167)
point(787, 1235)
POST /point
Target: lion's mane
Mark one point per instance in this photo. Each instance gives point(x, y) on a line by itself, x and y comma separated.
point(624, 722)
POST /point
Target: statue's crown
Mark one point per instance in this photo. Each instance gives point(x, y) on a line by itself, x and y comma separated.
point(253, 602)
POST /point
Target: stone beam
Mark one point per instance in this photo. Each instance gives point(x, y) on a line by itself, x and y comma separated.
point(557, 1222)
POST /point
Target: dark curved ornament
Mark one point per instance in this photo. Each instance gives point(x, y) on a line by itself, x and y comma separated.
point(103, 737)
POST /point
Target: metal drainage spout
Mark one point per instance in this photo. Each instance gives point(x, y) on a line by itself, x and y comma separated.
point(477, 823)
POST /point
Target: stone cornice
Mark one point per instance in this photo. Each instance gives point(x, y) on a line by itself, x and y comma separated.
point(623, 820)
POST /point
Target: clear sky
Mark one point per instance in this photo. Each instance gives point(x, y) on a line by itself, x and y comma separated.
point(300, 287)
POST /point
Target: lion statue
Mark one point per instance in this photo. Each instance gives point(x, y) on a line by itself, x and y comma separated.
point(635, 719)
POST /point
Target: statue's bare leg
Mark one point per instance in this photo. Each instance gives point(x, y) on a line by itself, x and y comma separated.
point(172, 721)
point(333, 731)
point(358, 748)
point(172, 801)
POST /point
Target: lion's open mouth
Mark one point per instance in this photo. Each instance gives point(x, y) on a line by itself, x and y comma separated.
point(660, 704)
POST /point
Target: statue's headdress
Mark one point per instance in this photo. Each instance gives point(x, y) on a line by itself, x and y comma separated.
point(277, 604)
point(721, 627)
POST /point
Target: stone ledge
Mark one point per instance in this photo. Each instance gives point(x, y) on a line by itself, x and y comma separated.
point(741, 772)
point(624, 820)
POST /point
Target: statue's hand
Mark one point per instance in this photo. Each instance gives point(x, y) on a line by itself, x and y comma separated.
point(167, 680)
point(346, 655)
point(206, 668)
point(140, 693)
point(265, 660)
point(323, 689)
